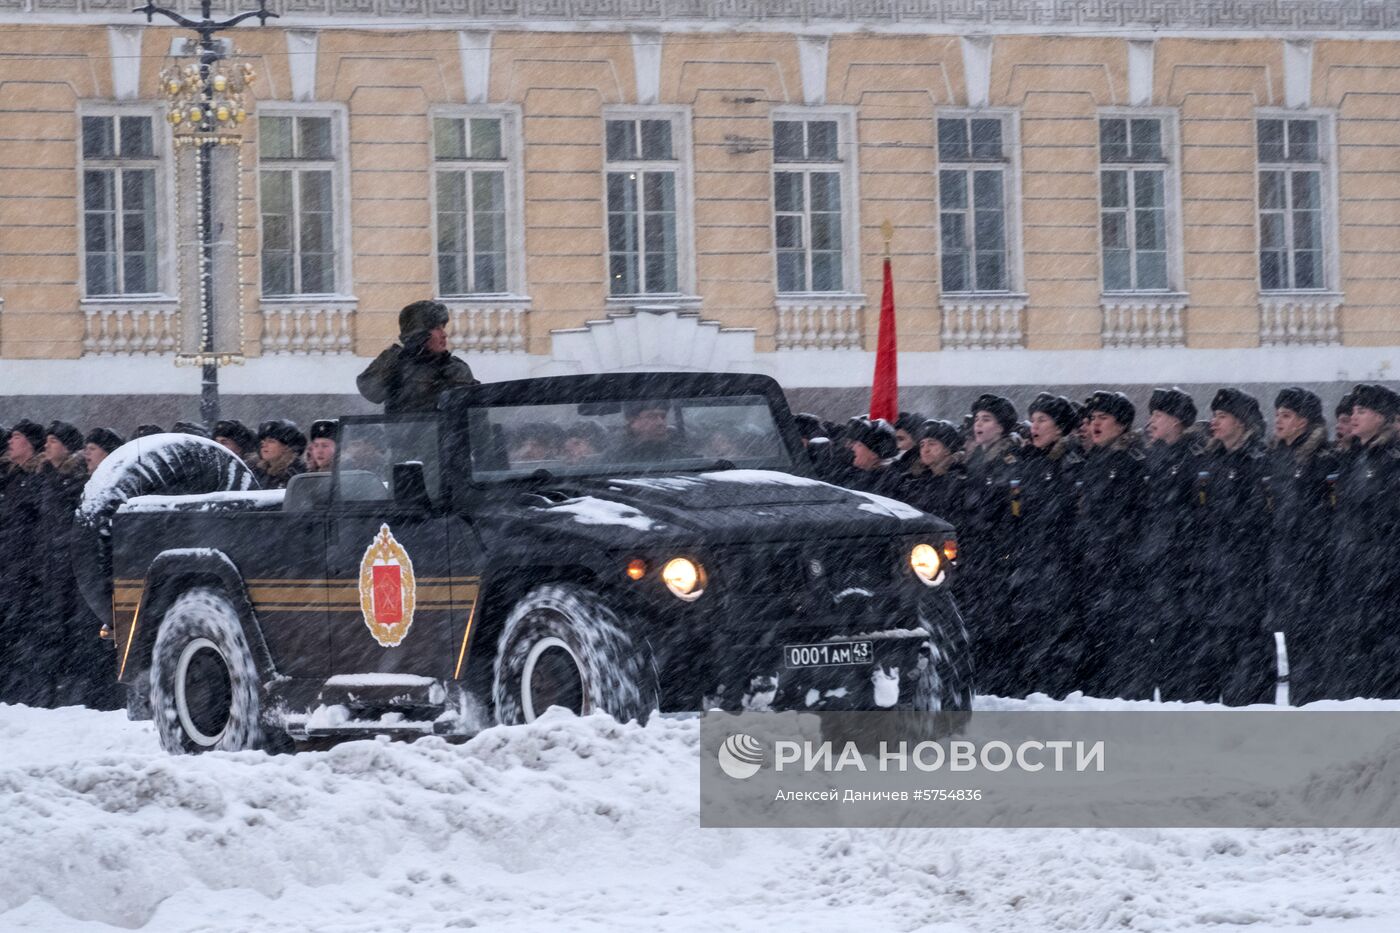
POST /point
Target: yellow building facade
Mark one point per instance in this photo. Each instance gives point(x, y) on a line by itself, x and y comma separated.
point(1114, 192)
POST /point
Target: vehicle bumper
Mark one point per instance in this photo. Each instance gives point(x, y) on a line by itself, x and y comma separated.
point(753, 669)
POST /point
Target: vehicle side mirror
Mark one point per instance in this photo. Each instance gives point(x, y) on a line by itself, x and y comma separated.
point(411, 486)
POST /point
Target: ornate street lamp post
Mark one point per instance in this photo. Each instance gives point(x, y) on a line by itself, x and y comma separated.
point(207, 109)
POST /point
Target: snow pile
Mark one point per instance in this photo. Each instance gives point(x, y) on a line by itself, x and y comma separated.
point(586, 824)
point(760, 477)
point(589, 510)
point(210, 501)
point(883, 505)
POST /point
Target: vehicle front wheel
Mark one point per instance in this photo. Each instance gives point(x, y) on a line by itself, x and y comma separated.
point(946, 681)
point(564, 646)
point(205, 694)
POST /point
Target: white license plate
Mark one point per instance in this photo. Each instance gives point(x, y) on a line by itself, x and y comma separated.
point(828, 654)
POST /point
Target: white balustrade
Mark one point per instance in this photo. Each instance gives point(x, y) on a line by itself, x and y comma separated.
point(486, 328)
point(984, 323)
point(1309, 319)
point(130, 328)
point(1144, 320)
point(819, 324)
point(310, 327)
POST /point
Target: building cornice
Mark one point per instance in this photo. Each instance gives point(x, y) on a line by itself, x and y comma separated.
point(1130, 18)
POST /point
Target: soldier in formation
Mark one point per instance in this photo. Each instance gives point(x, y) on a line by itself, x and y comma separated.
point(55, 654)
point(1201, 561)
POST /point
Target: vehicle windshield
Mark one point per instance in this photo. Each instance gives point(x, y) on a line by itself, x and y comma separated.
point(650, 436)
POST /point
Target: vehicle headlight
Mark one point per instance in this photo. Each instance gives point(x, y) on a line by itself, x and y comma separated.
point(684, 578)
point(926, 564)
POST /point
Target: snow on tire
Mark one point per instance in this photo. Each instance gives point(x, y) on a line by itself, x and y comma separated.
point(946, 681)
point(563, 645)
point(205, 693)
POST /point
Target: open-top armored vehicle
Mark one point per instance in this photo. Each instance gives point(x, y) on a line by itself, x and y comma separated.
point(614, 543)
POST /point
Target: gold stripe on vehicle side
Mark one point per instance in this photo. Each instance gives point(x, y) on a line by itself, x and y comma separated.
point(340, 597)
point(462, 653)
point(322, 607)
point(313, 581)
point(130, 637)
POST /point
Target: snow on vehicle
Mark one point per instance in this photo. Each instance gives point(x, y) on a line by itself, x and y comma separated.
point(614, 543)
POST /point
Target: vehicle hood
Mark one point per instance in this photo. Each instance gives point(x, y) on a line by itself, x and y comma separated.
point(718, 507)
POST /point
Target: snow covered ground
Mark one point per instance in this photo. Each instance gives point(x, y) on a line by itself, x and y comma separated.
point(583, 824)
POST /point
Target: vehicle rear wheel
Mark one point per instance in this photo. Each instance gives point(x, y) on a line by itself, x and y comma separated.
point(205, 691)
point(564, 646)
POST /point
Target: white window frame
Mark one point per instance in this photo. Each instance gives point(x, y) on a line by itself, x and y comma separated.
point(165, 204)
point(512, 147)
point(340, 183)
point(1171, 196)
point(1328, 197)
point(683, 168)
point(1011, 194)
point(849, 169)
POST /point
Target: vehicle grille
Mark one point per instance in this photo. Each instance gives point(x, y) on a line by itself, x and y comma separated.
point(807, 569)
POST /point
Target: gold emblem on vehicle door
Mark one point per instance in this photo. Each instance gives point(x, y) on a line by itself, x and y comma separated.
point(387, 589)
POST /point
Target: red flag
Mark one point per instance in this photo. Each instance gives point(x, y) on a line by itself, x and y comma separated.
point(884, 395)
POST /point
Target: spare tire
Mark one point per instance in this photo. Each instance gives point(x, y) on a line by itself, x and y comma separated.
point(158, 464)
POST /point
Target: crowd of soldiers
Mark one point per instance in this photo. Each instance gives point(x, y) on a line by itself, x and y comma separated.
point(1193, 561)
point(55, 650)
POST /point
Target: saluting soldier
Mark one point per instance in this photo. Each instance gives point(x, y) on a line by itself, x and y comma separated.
point(1365, 566)
point(1116, 637)
point(1300, 487)
point(409, 375)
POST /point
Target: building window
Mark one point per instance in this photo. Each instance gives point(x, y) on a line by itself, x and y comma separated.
point(298, 190)
point(1291, 178)
point(1133, 177)
point(121, 240)
point(974, 203)
point(471, 159)
point(812, 204)
point(643, 183)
